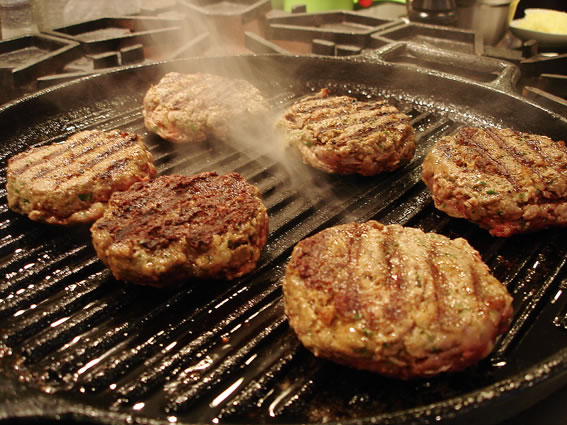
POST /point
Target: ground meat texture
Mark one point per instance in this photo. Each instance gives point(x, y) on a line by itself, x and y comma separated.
point(185, 108)
point(394, 300)
point(506, 181)
point(175, 227)
point(71, 182)
point(342, 135)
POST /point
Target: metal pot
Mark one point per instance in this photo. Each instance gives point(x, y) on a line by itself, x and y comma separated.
point(490, 18)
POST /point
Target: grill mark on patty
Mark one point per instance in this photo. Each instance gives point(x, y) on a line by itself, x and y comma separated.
point(373, 105)
point(389, 244)
point(347, 293)
point(535, 146)
point(421, 249)
point(232, 89)
point(34, 164)
point(361, 111)
point(110, 148)
point(142, 213)
point(466, 137)
point(517, 158)
point(475, 280)
point(27, 158)
point(382, 121)
point(123, 142)
point(391, 247)
point(204, 87)
point(381, 126)
point(437, 279)
point(379, 117)
point(512, 143)
point(113, 168)
point(509, 145)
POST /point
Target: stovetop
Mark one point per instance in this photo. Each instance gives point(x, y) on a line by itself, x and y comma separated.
point(37, 56)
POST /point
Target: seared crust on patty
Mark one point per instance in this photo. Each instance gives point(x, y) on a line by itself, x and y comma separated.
point(504, 180)
point(71, 182)
point(394, 300)
point(185, 108)
point(342, 135)
point(175, 227)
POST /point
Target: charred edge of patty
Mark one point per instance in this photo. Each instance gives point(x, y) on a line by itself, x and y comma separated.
point(334, 321)
point(203, 226)
point(506, 181)
point(64, 188)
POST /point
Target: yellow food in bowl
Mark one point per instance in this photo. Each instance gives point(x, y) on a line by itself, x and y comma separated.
point(542, 20)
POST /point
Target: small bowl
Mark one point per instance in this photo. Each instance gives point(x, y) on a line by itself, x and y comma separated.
point(535, 26)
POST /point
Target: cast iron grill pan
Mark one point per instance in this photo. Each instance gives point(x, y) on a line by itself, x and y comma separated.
point(75, 343)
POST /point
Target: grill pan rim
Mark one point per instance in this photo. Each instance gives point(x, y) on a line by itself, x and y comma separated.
point(550, 373)
point(541, 379)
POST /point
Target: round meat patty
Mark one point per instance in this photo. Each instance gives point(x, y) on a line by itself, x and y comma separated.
point(185, 108)
point(173, 228)
point(504, 180)
point(342, 135)
point(71, 182)
point(394, 300)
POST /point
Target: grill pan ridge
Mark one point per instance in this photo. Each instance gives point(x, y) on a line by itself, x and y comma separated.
point(77, 344)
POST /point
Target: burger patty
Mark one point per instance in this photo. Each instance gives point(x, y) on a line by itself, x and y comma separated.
point(394, 300)
point(71, 182)
point(192, 107)
point(175, 227)
point(342, 135)
point(506, 181)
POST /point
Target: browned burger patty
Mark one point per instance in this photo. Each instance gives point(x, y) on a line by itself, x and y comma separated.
point(506, 181)
point(175, 227)
point(342, 135)
point(71, 182)
point(394, 300)
point(192, 107)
